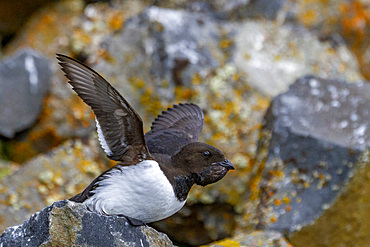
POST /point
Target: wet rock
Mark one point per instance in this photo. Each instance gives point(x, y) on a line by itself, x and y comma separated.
point(60, 174)
point(24, 81)
point(313, 138)
point(273, 57)
point(67, 223)
point(254, 239)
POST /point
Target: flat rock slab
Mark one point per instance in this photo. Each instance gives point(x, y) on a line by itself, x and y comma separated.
point(24, 81)
point(67, 223)
point(313, 137)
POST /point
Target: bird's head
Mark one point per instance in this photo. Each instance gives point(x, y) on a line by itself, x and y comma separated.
point(202, 161)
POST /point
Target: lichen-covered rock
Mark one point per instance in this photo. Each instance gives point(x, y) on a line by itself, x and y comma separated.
point(62, 173)
point(345, 222)
point(67, 223)
point(254, 239)
point(157, 57)
point(314, 136)
point(158, 51)
point(229, 10)
point(24, 81)
point(273, 57)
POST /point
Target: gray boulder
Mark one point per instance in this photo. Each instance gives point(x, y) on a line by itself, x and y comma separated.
point(314, 135)
point(67, 223)
point(24, 81)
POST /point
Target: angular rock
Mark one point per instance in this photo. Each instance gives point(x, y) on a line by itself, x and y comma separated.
point(273, 57)
point(67, 223)
point(345, 222)
point(254, 239)
point(62, 173)
point(314, 135)
point(24, 81)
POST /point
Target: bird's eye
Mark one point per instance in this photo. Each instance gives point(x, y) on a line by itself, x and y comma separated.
point(206, 154)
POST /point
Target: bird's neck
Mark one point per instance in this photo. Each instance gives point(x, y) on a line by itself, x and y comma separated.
point(183, 184)
point(181, 180)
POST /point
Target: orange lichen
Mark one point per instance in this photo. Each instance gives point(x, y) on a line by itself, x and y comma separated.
point(355, 18)
point(306, 184)
point(262, 104)
point(309, 17)
point(81, 36)
point(277, 202)
point(182, 93)
point(116, 20)
point(273, 219)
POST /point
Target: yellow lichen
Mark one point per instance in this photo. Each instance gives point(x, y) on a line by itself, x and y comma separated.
point(227, 243)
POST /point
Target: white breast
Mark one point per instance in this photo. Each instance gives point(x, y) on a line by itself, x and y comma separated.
point(140, 191)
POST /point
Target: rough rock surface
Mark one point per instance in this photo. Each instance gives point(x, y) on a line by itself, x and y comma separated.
point(67, 223)
point(24, 81)
point(315, 135)
point(140, 53)
point(344, 223)
point(61, 173)
point(162, 49)
point(273, 58)
point(254, 239)
point(229, 10)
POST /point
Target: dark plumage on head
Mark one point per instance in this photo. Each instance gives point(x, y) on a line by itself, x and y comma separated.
point(204, 161)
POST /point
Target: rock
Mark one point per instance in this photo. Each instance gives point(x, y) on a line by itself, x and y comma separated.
point(161, 48)
point(62, 173)
point(345, 222)
point(151, 61)
point(273, 57)
point(254, 239)
point(67, 223)
point(229, 10)
point(314, 136)
point(24, 81)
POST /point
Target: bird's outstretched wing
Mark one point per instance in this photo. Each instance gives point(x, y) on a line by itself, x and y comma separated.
point(119, 127)
point(174, 128)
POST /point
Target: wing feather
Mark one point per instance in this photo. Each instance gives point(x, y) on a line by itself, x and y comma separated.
point(120, 127)
point(174, 128)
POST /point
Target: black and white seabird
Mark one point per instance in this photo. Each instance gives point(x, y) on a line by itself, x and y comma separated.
point(155, 172)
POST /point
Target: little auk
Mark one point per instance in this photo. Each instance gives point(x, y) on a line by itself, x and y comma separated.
point(155, 171)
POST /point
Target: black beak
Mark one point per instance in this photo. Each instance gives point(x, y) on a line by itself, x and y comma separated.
point(227, 164)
